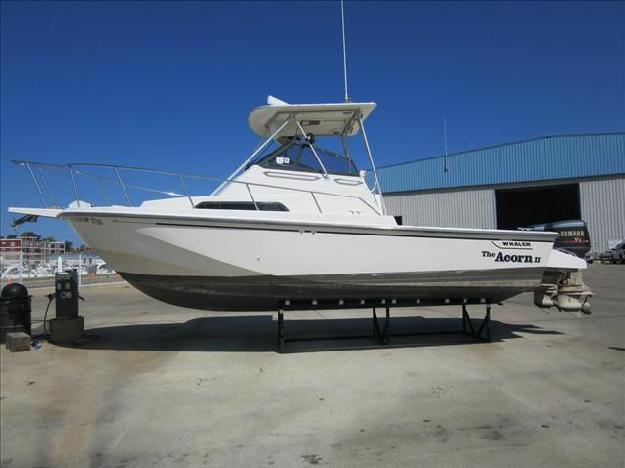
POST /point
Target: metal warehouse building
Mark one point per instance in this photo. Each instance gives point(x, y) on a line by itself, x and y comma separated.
point(507, 186)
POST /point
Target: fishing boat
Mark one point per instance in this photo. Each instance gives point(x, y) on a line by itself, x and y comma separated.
point(297, 221)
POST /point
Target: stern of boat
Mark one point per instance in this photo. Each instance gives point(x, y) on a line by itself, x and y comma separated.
point(563, 286)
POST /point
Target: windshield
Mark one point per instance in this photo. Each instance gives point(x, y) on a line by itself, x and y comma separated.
point(297, 155)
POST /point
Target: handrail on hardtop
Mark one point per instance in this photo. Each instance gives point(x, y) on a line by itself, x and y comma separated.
point(72, 167)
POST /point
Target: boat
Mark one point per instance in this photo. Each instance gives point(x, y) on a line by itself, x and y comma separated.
point(299, 222)
point(11, 272)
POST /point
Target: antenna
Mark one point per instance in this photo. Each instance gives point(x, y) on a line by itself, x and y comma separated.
point(445, 138)
point(347, 99)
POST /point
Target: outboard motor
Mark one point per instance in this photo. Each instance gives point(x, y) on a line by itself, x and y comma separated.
point(564, 290)
point(573, 235)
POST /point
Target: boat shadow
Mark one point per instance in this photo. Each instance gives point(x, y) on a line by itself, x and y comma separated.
point(260, 333)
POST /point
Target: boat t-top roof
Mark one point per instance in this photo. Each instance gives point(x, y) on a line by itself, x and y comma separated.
point(319, 119)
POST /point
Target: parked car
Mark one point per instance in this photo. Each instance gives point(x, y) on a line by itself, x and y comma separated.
point(614, 255)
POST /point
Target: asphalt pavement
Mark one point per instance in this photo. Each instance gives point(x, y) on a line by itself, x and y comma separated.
point(157, 385)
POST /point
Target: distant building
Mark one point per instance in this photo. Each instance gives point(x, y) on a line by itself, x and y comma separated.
point(546, 179)
point(30, 249)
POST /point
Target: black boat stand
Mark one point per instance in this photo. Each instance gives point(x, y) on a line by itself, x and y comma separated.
point(382, 333)
point(484, 324)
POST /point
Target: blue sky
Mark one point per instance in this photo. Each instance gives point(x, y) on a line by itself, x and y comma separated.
point(170, 85)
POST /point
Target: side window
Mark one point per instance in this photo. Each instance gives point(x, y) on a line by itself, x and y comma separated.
point(241, 205)
point(336, 164)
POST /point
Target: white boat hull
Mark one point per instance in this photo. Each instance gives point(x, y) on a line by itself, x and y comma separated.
point(225, 264)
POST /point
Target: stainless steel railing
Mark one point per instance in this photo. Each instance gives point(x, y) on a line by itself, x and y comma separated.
point(80, 169)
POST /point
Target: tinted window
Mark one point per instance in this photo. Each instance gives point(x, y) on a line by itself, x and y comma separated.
point(297, 155)
point(336, 163)
point(232, 205)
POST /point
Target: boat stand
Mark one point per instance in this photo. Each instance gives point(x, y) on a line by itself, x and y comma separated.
point(382, 332)
point(467, 325)
point(382, 336)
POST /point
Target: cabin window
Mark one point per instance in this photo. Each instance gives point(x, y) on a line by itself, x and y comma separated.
point(336, 163)
point(241, 205)
point(297, 155)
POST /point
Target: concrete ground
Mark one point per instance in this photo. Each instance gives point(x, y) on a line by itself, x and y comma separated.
point(156, 385)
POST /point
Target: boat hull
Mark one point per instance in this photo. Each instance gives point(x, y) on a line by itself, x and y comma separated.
point(242, 265)
point(269, 293)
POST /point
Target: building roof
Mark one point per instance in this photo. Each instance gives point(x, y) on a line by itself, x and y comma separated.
point(544, 158)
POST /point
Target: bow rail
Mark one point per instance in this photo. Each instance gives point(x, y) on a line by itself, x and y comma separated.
point(76, 169)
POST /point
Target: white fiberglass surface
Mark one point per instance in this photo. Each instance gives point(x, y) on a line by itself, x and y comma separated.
point(150, 214)
point(320, 119)
point(339, 220)
point(564, 261)
point(146, 248)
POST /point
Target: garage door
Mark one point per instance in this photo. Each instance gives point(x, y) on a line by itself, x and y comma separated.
point(536, 205)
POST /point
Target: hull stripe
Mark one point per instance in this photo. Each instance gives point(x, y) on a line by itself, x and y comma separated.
point(285, 225)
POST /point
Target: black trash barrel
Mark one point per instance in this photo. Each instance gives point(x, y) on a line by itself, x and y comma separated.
point(14, 310)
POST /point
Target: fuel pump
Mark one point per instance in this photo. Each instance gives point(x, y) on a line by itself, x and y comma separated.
point(66, 294)
point(68, 324)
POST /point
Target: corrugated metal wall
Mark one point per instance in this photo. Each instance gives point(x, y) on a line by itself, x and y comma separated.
point(602, 203)
point(462, 208)
point(425, 195)
point(603, 208)
point(546, 158)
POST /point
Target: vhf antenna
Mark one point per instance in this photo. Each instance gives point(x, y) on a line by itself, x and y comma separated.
point(445, 137)
point(347, 99)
